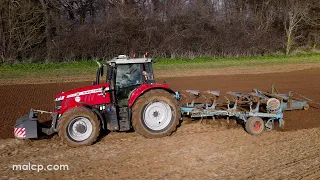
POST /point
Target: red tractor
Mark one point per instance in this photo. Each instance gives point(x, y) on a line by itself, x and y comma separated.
point(127, 97)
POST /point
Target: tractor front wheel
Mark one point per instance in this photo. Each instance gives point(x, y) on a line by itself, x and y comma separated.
point(254, 125)
point(79, 127)
point(155, 114)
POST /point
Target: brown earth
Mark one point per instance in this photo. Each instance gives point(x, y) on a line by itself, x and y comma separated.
point(196, 151)
point(256, 69)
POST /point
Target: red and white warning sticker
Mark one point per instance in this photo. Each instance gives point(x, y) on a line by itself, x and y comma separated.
point(19, 132)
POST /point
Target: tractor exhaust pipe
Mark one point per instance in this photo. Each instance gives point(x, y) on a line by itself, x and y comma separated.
point(98, 73)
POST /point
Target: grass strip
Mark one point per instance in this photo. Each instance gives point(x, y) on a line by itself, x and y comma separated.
point(89, 67)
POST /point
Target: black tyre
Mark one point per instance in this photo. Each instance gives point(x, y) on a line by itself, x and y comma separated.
point(155, 114)
point(254, 125)
point(79, 127)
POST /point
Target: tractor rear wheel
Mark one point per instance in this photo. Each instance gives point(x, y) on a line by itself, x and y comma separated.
point(79, 127)
point(155, 114)
point(254, 125)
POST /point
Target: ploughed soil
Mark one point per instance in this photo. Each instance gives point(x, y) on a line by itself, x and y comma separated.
point(198, 150)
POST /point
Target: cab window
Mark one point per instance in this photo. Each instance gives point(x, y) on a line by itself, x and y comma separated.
point(128, 75)
point(148, 69)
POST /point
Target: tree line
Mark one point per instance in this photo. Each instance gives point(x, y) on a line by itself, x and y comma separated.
point(58, 30)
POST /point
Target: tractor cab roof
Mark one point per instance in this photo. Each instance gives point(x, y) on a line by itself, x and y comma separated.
point(123, 59)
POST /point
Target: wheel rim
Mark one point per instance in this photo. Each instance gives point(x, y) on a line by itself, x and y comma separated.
point(157, 115)
point(80, 129)
point(257, 126)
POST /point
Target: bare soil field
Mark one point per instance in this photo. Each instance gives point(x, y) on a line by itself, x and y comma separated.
point(206, 150)
point(185, 72)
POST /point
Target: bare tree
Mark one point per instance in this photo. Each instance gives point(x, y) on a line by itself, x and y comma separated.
point(294, 14)
point(23, 28)
point(82, 29)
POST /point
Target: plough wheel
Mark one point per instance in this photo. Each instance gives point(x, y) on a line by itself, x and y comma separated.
point(254, 125)
point(155, 114)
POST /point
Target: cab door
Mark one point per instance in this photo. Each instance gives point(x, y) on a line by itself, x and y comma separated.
point(128, 78)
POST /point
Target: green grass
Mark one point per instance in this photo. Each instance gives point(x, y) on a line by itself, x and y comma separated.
point(205, 62)
point(85, 68)
point(59, 69)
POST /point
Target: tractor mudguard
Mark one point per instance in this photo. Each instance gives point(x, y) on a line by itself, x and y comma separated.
point(146, 87)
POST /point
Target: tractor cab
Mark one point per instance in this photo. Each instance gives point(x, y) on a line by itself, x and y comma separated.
point(125, 74)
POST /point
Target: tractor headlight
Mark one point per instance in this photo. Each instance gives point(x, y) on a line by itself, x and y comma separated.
point(59, 98)
point(58, 102)
point(58, 105)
